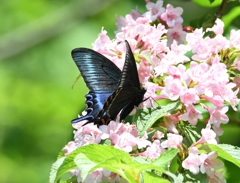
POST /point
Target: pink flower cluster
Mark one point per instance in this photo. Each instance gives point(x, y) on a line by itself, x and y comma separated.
point(121, 136)
point(204, 163)
point(201, 83)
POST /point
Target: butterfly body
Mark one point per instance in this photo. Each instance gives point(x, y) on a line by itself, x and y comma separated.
point(113, 96)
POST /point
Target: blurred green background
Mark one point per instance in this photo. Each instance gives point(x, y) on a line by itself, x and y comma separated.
point(37, 101)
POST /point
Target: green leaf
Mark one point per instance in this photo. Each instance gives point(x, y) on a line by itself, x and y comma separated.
point(190, 132)
point(225, 151)
point(152, 177)
point(145, 118)
point(233, 14)
point(208, 3)
point(84, 164)
point(190, 177)
point(54, 170)
point(165, 158)
point(94, 156)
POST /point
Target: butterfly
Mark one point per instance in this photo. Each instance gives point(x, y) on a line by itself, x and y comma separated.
point(112, 91)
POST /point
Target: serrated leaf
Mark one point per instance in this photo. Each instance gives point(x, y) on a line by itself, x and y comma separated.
point(165, 158)
point(225, 151)
point(94, 156)
point(84, 164)
point(54, 170)
point(142, 160)
point(145, 118)
point(67, 165)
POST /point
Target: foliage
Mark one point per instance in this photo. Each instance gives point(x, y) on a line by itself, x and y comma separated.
point(37, 74)
point(198, 68)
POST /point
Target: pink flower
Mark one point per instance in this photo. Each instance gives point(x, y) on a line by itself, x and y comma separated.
point(154, 10)
point(88, 134)
point(218, 27)
point(178, 52)
point(196, 73)
point(143, 142)
point(218, 116)
point(142, 37)
point(98, 175)
point(214, 99)
point(192, 115)
point(236, 79)
point(123, 136)
point(125, 141)
point(189, 96)
point(229, 95)
point(237, 63)
point(170, 122)
point(235, 38)
point(151, 95)
point(70, 147)
point(128, 20)
point(158, 135)
point(172, 89)
point(217, 177)
point(102, 175)
point(144, 71)
point(177, 72)
point(173, 57)
point(208, 136)
point(205, 48)
point(200, 46)
point(153, 151)
point(194, 39)
point(101, 41)
point(193, 161)
point(218, 130)
point(173, 141)
point(172, 16)
point(218, 43)
point(211, 166)
point(176, 33)
point(77, 173)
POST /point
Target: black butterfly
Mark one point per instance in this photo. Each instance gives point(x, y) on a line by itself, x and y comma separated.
point(112, 92)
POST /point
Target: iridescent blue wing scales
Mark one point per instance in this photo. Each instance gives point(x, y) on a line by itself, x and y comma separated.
point(101, 77)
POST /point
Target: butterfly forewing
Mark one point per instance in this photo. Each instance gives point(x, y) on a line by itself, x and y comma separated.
point(101, 77)
point(99, 73)
point(129, 73)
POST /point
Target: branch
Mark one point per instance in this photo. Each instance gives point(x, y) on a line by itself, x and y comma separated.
point(49, 26)
point(221, 9)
